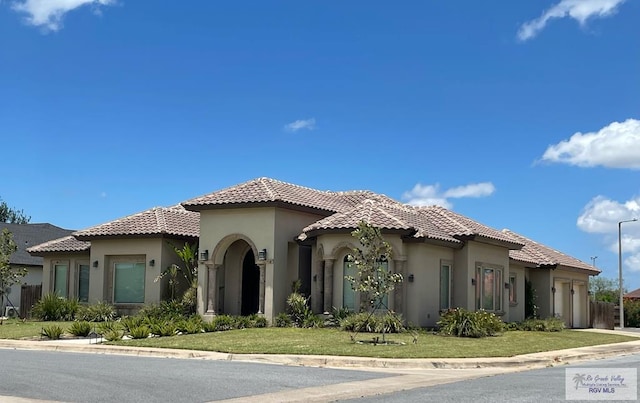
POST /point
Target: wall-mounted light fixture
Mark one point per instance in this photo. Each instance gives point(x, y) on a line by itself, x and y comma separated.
point(507, 285)
point(473, 281)
point(573, 291)
point(553, 290)
point(411, 278)
point(204, 255)
point(152, 262)
point(95, 263)
point(262, 254)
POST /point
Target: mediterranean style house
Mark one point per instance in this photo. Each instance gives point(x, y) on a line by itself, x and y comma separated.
point(257, 238)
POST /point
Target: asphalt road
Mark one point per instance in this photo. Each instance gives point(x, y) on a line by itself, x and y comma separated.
point(540, 385)
point(75, 377)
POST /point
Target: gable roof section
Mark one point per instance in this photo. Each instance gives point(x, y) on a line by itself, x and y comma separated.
point(27, 235)
point(267, 192)
point(68, 244)
point(542, 255)
point(158, 221)
point(461, 227)
point(383, 213)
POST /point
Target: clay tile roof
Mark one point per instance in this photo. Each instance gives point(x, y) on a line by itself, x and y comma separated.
point(267, 190)
point(541, 255)
point(175, 221)
point(635, 294)
point(459, 226)
point(64, 244)
point(382, 212)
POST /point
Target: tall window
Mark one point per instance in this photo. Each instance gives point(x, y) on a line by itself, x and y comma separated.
point(128, 283)
point(83, 283)
point(61, 279)
point(445, 286)
point(489, 288)
point(348, 294)
point(513, 287)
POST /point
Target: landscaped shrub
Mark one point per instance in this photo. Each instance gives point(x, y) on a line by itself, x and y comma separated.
point(632, 313)
point(372, 323)
point(52, 307)
point(241, 322)
point(129, 322)
point(166, 310)
point(109, 326)
point(113, 335)
point(192, 325)
point(258, 321)
point(337, 314)
point(82, 328)
point(462, 323)
point(538, 325)
point(139, 332)
point(163, 328)
point(220, 323)
point(283, 320)
point(300, 313)
point(52, 332)
point(99, 312)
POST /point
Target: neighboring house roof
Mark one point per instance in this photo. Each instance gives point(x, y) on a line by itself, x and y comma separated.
point(27, 235)
point(541, 255)
point(158, 221)
point(67, 244)
point(635, 294)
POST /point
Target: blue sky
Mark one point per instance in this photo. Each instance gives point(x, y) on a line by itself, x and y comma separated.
point(519, 114)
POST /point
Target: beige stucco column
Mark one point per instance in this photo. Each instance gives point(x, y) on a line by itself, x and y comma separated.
point(263, 268)
point(328, 285)
point(398, 291)
point(212, 288)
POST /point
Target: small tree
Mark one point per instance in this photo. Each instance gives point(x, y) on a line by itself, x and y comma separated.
point(11, 215)
point(372, 277)
point(8, 275)
point(604, 289)
point(186, 274)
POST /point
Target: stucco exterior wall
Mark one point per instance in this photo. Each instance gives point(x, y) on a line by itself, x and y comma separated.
point(422, 296)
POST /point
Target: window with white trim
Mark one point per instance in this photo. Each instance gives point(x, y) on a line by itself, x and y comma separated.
point(489, 288)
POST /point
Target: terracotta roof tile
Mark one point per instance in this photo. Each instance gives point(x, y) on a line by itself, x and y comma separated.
point(635, 294)
point(265, 190)
point(176, 221)
point(541, 255)
point(459, 226)
point(64, 244)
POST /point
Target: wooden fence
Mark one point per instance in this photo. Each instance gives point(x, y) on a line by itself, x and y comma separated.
point(29, 296)
point(603, 315)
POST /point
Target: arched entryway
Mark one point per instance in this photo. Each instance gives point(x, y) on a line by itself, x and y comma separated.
point(250, 285)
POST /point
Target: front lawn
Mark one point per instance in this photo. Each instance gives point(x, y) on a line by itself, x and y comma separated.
point(326, 341)
point(336, 342)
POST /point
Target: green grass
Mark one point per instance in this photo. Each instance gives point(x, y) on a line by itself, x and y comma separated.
point(335, 342)
point(16, 329)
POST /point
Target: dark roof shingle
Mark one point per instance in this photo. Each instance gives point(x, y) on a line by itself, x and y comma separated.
point(28, 235)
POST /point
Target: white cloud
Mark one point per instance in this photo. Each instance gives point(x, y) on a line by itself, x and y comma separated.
point(614, 146)
point(308, 124)
point(428, 195)
point(579, 10)
point(49, 13)
point(602, 215)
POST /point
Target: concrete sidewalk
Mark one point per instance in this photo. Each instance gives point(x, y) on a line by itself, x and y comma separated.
point(526, 361)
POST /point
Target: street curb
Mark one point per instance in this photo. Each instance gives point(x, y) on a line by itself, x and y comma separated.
point(526, 361)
